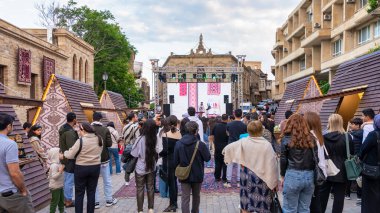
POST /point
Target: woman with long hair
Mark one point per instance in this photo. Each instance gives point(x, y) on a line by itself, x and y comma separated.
point(34, 136)
point(314, 123)
point(297, 165)
point(259, 171)
point(162, 185)
point(114, 149)
point(335, 143)
point(145, 150)
point(169, 140)
point(86, 151)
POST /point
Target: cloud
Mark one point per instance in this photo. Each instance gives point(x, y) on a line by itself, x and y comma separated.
point(157, 28)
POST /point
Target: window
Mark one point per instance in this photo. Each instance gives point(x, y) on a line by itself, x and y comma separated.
point(85, 71)
point(364, 35)
point(74, 66)
point(2, 70)
point(309, 15)
point(337, 48)
point(80, 69)
point(302, 64)
point(33, 86)
point(377, 29)
point(362, 3)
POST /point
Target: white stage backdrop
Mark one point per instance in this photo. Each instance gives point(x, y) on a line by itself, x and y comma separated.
point(192, 94)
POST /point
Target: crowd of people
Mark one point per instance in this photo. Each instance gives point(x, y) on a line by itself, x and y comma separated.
point(306, 162)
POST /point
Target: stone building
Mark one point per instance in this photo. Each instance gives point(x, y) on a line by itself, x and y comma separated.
point(318, 36)
point(145, 89)
point(262, 89)
point(203, 66)
point(29, 56)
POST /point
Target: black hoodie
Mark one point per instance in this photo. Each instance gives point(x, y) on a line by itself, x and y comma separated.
point(67, 138)
point(335, 144)
point(183, 152)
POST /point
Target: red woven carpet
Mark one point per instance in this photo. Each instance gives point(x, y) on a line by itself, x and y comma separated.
point(208, 186)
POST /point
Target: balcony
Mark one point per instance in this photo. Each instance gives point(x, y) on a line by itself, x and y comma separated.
point(360, 17)
point(316, 38)
point(295, 54)
point(278, 44)
point(299, 75)
point(297, 32)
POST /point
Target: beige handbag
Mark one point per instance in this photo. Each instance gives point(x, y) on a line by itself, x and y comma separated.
point(182, 173)
point(331, 169)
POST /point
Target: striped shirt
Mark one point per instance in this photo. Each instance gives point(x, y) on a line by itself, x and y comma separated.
point(130, 133)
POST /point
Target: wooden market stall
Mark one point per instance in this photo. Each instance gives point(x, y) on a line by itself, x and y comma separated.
point(34, 173)
point(63, 95)
point(303, 88)
point(113, 100)
point(356, 86)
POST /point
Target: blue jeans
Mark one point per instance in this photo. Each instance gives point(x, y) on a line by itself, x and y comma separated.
point(163, 188)
point(229, 172)
point(115, 153)
point(68, 185)
point(107, 184)
point(298, 191)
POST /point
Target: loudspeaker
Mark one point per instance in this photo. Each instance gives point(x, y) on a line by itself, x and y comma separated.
point(229, 107)
point(171, 99)
point(167, 110)
point(226, 99)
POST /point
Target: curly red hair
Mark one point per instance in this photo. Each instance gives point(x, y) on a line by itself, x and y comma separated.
point(297, 127)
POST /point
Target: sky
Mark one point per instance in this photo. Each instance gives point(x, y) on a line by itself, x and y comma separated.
point(158, 27)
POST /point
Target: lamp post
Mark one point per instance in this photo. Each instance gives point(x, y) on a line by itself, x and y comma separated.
point(105, 78)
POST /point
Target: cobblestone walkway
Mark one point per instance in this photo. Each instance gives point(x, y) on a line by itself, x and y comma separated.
point(210, 203)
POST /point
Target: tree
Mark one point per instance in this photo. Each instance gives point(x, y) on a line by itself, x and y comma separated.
point(324, 86)
point(112, 48)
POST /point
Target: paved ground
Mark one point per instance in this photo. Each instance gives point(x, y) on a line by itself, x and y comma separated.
point(210, 203)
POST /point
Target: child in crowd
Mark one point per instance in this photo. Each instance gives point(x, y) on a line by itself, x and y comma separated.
point(56, 181)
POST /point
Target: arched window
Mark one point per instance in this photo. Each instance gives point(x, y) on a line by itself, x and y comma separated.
point(85, 71)
point(80, 69)
point(74, 66)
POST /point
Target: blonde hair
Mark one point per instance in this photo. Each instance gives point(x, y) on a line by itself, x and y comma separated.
point(255, 129)
point(335, 123)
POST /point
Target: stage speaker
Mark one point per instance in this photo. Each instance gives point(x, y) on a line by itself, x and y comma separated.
point(167, 110)
point(226, 99)
point(229, 108)
point(171, 99)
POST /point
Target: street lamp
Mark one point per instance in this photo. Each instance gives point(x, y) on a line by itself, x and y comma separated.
point(105, 78)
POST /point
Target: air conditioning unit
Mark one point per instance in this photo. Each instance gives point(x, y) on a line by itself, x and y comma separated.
point(350, 1)
point(285, 49)
point(327, 17)
point(317, 25)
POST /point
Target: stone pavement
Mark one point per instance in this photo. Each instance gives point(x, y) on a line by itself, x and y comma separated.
point(210, 203)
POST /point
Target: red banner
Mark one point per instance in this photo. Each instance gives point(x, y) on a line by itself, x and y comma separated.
point(49, 68)
point(213, 89)
point(182, 89)
point(24, 75)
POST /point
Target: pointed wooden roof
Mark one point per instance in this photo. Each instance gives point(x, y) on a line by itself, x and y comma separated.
point(34, 174)
point(361, 72)
point(294, 91)
point(119, 102)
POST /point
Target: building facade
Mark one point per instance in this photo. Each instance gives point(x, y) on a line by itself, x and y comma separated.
point(318, 36)
point(29, 56)
point(203, 66)
point(143, 84)
point(264, 86)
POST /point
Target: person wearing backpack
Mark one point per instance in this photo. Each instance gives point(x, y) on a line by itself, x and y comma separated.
point(369, 154)
point(183, 152)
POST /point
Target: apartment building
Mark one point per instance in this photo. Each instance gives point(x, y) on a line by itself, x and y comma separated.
point(318, 36)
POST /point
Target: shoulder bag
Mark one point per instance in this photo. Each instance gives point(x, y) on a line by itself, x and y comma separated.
point(352, 164)
point(319, 176)
point(162, 173)
point(183, 172)
point(70, 165)
point(276, 206)
point(373, 172)
point(130, 165)
point(331, 169)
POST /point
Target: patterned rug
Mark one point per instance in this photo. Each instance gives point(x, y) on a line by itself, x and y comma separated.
point(209, 185)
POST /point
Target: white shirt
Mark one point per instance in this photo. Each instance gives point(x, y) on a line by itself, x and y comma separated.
point(321, 155)
point(200, 126)
point(367, 128)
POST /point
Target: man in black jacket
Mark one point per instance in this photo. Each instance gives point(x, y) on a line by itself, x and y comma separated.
point(67, 138)
point(220, 140)
point(183, 152)
point(105, 134)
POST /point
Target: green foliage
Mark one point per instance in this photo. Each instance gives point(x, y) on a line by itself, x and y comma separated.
point(152, 106)
point(372, 5)
point(374, 49)
point(324, 86)
point(112, 48)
